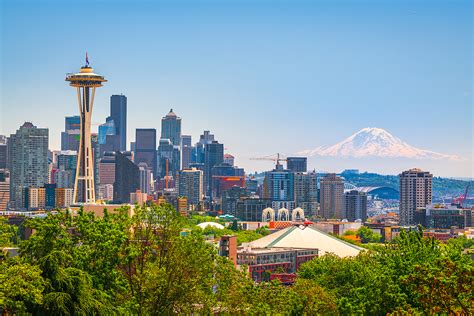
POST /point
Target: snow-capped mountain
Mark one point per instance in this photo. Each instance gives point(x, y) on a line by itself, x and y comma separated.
point(375, 142)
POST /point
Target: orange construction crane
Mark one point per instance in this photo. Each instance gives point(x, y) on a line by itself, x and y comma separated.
point(166, 177)
point(271, 158)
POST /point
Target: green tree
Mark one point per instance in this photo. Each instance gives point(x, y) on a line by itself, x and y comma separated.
point(367, 235)
point(21, 287)
point(166, 272)
point(8, 233)
point(52, 248)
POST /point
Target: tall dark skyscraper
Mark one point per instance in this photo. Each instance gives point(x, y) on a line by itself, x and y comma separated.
point(171, 128)
point(213, 155)
point(145, 147)
point(127, 177)
point(118, 112)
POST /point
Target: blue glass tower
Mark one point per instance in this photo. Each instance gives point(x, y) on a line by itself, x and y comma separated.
point(118, 112)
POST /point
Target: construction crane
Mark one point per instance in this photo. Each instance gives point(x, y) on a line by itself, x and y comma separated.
point(460, 199)
point(277, 159)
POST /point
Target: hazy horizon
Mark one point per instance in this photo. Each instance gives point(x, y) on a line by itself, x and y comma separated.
point(264, 77)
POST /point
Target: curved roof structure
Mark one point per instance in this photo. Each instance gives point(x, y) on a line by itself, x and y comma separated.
point(349, 186)
point(211, 224)
point(307, 237)
point(381, 192)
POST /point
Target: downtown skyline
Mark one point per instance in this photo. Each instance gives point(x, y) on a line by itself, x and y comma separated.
point(249, 89)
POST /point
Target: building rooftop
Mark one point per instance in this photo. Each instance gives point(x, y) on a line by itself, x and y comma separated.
point(306, 237)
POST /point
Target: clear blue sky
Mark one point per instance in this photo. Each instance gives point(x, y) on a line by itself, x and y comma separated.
point(264, 76)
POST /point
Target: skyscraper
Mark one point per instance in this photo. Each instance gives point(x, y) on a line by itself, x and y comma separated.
point(190, 185)
point(70, 136)
point(118, 113)
point(297, 164)
point(186, 151)
point(198, 152)
point(3, 152)
point(415, 192)
point(171, 128)
point(306, 191)
point(332, 196)
point(28, 149)
point(213, 155)
point(146, 178)
point(108, 139)
point(127, 177)
point(66, 169)
point(85, 82)
point(168, 154)
point(145, 147)
point(355, 205)
point(279, 184)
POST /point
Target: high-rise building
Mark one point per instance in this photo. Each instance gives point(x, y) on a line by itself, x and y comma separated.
point(66, 163)
point(230, 199)
point(28, 150)
point(127, 177)
point(279, 185)
point(190, 185)
point(355, 205)
point(306, 191)
point(107, 169)
point(224, 177)
point(146, 178)
point(415, 192)
point(213, 155)
point(145, 147)
point(186, 151)
point(168, 154)
point(108, 139)
point(332, 196)
point(4, 190)
point(34, 198)
point(198, 155)
point(3, 152)
point(118, 113)
point(85, 82)
point(171, 128)
point(297, 164)
point(50, 195)
point(70, 136)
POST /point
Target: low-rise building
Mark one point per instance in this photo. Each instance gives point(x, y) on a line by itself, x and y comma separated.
point(262, 262)
point(443, 216)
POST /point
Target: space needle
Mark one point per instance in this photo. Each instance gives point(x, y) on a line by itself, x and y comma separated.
point(85, 82)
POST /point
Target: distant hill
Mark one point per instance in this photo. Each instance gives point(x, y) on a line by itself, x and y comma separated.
point(442, 187)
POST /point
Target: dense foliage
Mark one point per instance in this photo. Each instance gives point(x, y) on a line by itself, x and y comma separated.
point(413, 274)
point(146, 265)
